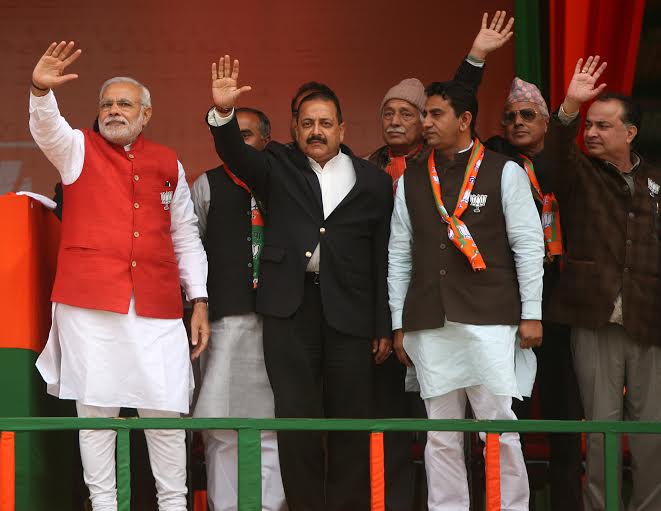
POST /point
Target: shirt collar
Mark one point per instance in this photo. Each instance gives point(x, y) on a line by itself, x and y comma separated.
point(635, 160)
point(466, 149)
point(330, 164)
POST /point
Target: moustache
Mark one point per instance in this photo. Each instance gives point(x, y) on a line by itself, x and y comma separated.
point(114, 118)
point(400, 131)
point(315, 138)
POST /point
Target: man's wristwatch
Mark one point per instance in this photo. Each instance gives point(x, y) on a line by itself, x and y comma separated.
point(199, 300)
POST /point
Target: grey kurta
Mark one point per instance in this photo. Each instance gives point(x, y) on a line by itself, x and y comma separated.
point(234, 380)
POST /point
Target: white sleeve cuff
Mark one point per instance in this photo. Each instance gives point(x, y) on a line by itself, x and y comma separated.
point(473, 61)
point(396, 317)
point(215, 119)
point(531, 309)
point(196, 292)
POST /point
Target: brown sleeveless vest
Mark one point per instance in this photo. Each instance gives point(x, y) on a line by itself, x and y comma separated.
point(443, 283)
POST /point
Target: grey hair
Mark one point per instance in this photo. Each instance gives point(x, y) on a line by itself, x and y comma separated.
point(145, 96)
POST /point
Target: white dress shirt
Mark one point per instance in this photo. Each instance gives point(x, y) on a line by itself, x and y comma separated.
point(104, 358)
point(336, 180)
point(460, 355)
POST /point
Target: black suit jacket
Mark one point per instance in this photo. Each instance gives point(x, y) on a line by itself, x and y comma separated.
point(353, 239)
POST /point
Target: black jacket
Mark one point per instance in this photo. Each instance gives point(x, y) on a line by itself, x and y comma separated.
point(353, 239)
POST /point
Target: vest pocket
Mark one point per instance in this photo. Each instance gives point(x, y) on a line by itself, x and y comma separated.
point(81, 250)
point(579, 262)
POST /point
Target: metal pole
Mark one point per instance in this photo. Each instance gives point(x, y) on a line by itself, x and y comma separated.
point(250, 470)
point(611, 478)
point(124, 470)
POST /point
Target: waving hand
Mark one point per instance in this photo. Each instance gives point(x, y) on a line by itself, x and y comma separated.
point(492, 35)
point(49, 71)
point(224, 84)
point(582, 86)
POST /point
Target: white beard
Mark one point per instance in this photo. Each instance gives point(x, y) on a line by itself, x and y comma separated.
point(121, 134)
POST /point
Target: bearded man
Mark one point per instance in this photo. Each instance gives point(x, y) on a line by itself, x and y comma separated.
point(129, 238)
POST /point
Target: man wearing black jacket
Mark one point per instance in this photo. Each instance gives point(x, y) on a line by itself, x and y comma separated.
point(322, 288)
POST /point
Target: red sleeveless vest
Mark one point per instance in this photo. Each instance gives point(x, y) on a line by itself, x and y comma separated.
point(116, 231)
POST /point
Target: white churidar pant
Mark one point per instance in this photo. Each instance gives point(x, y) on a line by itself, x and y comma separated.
point(167, 456)
point(444, 453)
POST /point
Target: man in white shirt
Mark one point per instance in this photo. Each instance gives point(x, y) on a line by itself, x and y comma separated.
point(129, 237)
point(458, 299)
point(322, 287)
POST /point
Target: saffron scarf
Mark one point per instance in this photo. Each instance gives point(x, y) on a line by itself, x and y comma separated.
point(550, 212)
point(397, 165)
point(457, 231)
point(257, 226)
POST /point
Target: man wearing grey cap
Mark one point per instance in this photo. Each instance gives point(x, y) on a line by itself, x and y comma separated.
point(402, 106)
point(401, 117)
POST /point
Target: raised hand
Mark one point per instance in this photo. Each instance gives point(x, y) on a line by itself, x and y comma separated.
point(224, 84)
point(582, 85)
point(492, 35)
point(49, 71)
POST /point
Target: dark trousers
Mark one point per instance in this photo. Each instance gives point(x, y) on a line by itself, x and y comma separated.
point(392, 401)
point(559, 400)
point(316, 371)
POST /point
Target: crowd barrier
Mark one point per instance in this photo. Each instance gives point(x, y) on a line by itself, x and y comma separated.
point(249, 460)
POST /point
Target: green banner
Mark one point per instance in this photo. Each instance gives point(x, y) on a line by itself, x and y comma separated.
point(527, 36)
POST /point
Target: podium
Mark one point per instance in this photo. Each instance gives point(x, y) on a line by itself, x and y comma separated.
point(44, 461)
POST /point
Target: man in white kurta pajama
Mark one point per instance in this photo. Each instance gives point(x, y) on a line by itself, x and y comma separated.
point(119, 341)
point(455, 312)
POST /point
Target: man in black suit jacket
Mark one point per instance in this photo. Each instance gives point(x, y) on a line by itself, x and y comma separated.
point(322, 288)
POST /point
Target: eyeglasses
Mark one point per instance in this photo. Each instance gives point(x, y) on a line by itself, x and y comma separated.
point(527, 115)
point(122, 104)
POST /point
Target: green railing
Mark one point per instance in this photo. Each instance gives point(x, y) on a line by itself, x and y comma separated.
point(249, 471)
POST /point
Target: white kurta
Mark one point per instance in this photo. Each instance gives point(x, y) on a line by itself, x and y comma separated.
point(107, 359)
point(461, 355)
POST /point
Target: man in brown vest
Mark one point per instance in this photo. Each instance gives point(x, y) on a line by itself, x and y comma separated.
point(456, 308)
point(610, 288)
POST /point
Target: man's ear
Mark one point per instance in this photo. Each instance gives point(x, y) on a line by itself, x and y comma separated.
point(632, 131)
point(146, 115)
point(341, 132)
point(465, 120)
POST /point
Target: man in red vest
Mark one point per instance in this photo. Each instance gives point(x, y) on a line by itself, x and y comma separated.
point(129, 238)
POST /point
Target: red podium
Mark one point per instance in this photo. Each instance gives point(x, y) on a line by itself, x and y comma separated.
point(42, 473)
